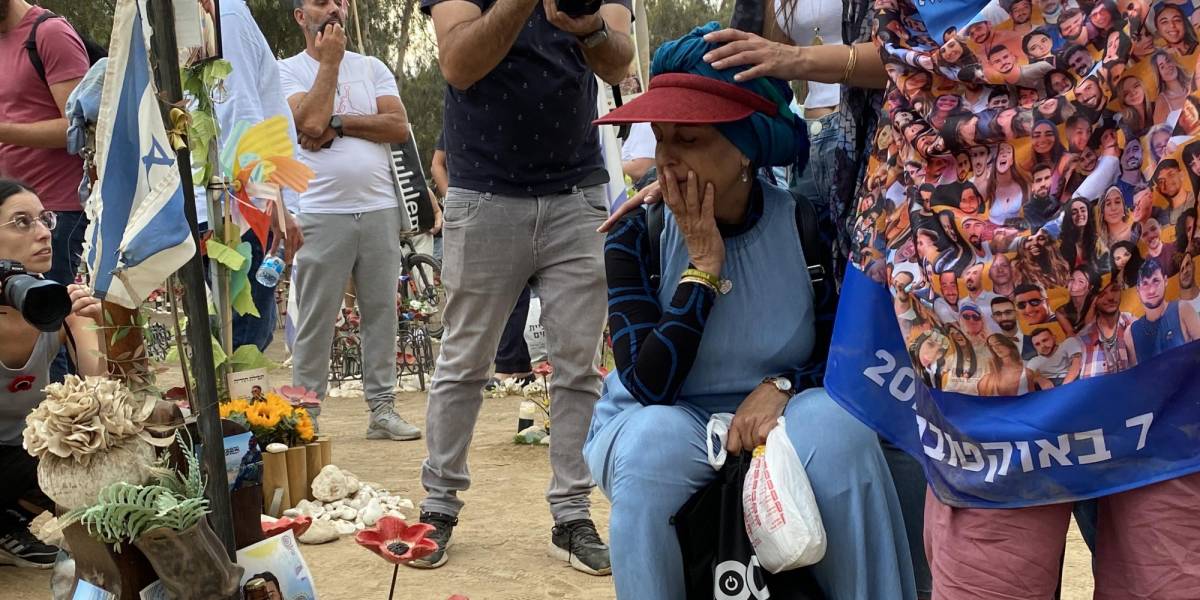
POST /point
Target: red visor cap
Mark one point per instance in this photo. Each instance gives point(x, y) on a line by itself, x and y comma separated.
point(687, 98)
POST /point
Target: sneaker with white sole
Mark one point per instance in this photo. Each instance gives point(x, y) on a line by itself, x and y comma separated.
point(385, 424)
point(21, 548)
point(443, 528)
point(578, 543)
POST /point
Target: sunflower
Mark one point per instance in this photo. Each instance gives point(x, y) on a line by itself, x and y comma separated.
point(233, 407)
point(262, 416)
point(304, 426)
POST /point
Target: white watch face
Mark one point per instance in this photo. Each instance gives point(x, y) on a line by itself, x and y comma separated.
point(783, 384)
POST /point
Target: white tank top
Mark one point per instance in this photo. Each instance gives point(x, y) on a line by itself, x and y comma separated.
point(809, 19)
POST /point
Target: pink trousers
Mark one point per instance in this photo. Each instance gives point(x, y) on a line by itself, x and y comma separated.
point(1147, 547)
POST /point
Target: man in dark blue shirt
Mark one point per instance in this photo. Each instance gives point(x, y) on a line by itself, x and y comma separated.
point(526, 196)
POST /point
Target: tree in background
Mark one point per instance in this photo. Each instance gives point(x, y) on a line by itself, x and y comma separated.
point(401, 36)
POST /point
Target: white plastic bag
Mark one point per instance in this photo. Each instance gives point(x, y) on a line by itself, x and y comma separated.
point(535, 335)
point(715, 435)
point(781, 513)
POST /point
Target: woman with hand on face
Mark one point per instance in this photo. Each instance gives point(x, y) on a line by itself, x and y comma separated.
point(726, 330)
point(26, 352)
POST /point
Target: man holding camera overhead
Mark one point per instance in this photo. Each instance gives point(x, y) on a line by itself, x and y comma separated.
point(347, 110)
point(525, 199)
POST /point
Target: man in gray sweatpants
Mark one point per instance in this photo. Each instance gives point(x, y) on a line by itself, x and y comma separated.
point(526, 194)
point(347, 109)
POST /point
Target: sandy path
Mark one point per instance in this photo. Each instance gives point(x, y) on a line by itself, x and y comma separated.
point(499, 551)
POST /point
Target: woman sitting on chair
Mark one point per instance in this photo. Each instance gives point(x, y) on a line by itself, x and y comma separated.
point(726, 331)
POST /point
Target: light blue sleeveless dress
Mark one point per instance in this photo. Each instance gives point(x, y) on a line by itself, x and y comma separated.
point(650, 459)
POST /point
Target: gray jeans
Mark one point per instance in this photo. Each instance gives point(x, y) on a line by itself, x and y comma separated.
point(365, 246)
point(494, 245)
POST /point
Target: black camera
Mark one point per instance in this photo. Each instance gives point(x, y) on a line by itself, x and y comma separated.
point(44, 304)
point(579, 8)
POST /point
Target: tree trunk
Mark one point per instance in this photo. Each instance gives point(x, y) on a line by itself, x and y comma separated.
point(406, 19)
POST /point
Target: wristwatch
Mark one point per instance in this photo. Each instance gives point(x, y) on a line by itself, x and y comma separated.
point(782, 384)
point(335, 123)
point(595, 38)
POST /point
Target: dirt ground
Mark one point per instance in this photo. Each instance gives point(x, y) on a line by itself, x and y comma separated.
point(499, 550)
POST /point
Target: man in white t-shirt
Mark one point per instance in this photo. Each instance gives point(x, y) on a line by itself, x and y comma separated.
point(637, 153)
point(347, 110)
point(1060, 363)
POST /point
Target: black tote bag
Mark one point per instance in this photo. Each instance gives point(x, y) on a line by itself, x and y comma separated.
point(718, 558)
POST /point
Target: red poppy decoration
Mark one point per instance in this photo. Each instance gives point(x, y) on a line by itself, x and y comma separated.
point(297, 525)
point(21, 383)
point(396, 541)
point(544, 369)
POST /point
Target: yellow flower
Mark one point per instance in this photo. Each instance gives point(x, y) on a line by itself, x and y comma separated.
point(262, 416)
point(233, 407)
point(304, 426)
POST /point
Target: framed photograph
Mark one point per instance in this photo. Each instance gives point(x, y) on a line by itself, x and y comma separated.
point(197, 31)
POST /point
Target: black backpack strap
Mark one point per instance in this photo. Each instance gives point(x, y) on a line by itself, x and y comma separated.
point(818, 255)
point(31, 44)
point(655, 223)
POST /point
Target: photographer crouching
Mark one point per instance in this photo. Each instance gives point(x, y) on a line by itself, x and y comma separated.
point(37, 318)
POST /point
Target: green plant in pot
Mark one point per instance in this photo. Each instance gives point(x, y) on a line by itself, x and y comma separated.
point(165, 519)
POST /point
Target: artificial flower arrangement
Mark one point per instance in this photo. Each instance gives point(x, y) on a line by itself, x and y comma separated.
point(285, 431)
point(416, 310)
point(88, 433)
point(274, 420)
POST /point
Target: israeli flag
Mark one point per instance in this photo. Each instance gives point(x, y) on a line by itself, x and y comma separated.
point(138, 234)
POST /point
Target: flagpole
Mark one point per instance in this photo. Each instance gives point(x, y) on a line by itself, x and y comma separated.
point(166, 67)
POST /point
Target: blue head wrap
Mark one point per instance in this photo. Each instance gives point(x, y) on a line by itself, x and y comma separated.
point(765, 140)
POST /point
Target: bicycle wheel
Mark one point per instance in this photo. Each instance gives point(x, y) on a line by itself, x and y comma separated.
point(425, 279)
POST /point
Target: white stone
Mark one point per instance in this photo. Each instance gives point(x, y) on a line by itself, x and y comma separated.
point(335, 506)
point(396, 513)
point(405, 504)
point(291, 512)
point(325, 517)
point(317, 511)
point(331, 485)
point(304, 507)
point(348, 514)
point(344, 527)
point(359, 526)
point(357, 502)
point(372, 513)
point(320, 532)
point(276, 448)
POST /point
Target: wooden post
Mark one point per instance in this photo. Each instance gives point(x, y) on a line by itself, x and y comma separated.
point(165, 60)
point(124, 347)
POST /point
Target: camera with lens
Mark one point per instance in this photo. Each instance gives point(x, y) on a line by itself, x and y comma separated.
point(579, 8)
point(43, 303)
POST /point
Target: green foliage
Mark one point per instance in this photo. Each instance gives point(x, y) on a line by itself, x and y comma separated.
point(123, 511)
point(92, 18)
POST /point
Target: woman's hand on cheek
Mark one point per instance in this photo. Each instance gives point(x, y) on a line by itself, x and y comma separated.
point(694, 216)
point(755, 418)
point(83, 304)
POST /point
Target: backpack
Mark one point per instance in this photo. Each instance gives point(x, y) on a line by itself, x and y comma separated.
point(95, 51)
point(818, 255)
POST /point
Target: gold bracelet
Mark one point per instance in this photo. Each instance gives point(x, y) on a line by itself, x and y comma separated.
point(712, 280)
point(850, 64)
point(699, 281)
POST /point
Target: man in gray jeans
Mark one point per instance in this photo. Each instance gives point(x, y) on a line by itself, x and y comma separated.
point(526, 196)
point(347, 109)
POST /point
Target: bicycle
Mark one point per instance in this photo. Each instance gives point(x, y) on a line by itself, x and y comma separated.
point(421, 279)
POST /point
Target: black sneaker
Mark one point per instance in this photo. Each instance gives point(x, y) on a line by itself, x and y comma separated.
point(578, 543)
point(22, 549)
point(443, 527)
